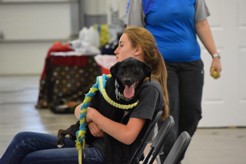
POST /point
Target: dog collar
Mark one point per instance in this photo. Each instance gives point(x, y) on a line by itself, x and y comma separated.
point(102, 84)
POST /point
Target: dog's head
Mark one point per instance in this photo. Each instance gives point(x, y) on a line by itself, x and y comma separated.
point(130, 73)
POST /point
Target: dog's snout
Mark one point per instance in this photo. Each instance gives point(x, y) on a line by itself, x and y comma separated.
point(127, 81)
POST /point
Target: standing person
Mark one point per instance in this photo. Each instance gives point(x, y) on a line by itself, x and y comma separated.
point(175, 25)
point(31, 147)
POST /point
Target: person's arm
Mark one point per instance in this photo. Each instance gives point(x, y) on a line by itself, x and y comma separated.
point(77, 111)
point(205, 34)
point(123, 133)
point(135, 14)
point(93, 127)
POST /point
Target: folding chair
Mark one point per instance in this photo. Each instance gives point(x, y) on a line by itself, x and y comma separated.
point(178, 149)
point(159, 140)
point(139, 152)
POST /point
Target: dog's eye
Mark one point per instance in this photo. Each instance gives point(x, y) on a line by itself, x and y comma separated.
point(136, 70)
point(121, 72)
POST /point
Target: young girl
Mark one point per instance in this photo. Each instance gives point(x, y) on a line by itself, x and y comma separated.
point(30, 147)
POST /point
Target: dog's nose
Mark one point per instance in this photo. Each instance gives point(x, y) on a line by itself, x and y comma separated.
point(127, 81)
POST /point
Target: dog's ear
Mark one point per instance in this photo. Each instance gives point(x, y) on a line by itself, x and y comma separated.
point(147, 70)
point(114, 69)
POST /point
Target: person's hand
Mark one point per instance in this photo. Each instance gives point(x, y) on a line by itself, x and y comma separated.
point(93, 127)
point(215, 69)
point(91, 113)
point(95, 130)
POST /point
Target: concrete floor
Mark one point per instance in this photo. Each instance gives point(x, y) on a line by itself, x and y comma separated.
point(18, 96)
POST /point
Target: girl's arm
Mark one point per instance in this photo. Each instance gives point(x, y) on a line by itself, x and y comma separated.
point(94, 129)
point(123, 133)
point(77, 111)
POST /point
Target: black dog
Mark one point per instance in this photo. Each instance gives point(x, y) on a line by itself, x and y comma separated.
point(122, 88)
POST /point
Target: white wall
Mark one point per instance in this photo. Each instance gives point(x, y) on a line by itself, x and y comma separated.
point(29, 27)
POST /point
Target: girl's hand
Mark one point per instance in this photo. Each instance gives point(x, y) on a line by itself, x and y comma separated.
point(91, 114)
point(95, 130)
point(93, 127)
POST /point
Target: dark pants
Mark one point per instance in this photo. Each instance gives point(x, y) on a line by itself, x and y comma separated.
point(185, 85)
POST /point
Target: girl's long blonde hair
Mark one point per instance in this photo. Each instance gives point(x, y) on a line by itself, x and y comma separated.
point(140, 37)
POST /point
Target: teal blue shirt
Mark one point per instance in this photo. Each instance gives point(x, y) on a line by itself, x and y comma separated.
point(172, 22)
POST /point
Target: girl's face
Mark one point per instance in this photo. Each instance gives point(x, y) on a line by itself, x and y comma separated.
point(125, 50)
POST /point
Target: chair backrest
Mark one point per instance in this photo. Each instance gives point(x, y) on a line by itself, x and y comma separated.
point(159, 140)
point(177, 151)
point(139, 152)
